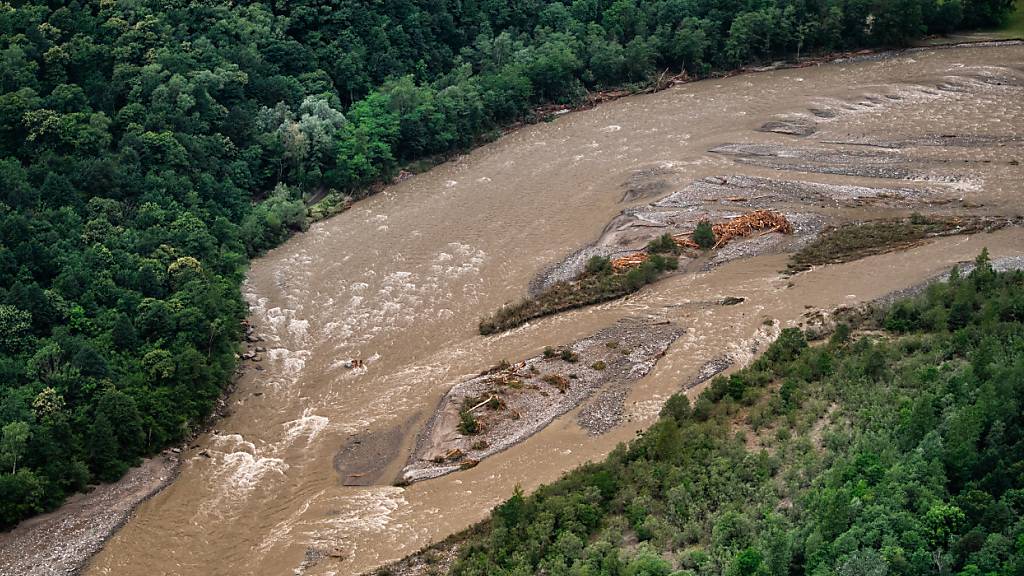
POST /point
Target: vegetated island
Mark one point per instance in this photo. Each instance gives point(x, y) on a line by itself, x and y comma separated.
point(606, 278)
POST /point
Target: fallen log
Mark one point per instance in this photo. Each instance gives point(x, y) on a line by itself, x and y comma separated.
point(481, 404)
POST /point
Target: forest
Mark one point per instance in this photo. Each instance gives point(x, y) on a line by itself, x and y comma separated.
point(149, 149)
point(894, 447)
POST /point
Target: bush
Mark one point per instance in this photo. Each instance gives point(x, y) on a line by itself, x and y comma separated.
point(663, 263)
point(663, 244)
point(841, 335)
point(467, 423)
point(704, 235)
point(558, 381)
point(599, 265)
point(677, 408)
point(21, 494)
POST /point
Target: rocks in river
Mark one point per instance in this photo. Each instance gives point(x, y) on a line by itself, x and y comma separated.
point(796, 126)
point(254, 354)
point(709, 370)
point(250, 332)
point(604, 412)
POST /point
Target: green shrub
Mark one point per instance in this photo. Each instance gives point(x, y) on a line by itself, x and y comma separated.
point(558, 381)
point(467, 423)
point(663, 244)
point(598, 265)
point(704, 235)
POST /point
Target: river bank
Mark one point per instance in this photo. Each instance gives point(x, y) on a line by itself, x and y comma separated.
point(60, 542)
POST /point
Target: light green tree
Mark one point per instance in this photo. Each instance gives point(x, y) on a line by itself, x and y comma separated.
point(13, 442)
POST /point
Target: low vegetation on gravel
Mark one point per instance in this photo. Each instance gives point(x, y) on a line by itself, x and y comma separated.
point(857, 240)
point(598, 283)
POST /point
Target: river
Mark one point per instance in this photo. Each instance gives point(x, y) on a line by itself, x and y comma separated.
point(401, 279)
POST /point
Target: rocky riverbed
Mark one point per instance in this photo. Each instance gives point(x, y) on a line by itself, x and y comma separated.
point(509, 403)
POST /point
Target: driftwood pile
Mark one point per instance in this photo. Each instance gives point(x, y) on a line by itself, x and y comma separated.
point(763, 221)
point(627, 262)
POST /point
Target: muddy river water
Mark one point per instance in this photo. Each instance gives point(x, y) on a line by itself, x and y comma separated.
point(401, 280)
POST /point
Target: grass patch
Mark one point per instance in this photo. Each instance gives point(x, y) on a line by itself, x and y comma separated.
point(598, 284)
point(558, 381)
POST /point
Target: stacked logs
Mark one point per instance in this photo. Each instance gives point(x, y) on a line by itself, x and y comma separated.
point(763, 221)
point(685, 240)
point(627, 262)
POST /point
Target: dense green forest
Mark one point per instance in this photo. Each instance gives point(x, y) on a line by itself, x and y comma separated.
point(896, 451)
point(149, 149)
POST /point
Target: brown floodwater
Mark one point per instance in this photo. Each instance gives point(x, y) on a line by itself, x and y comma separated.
point(402, 278)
